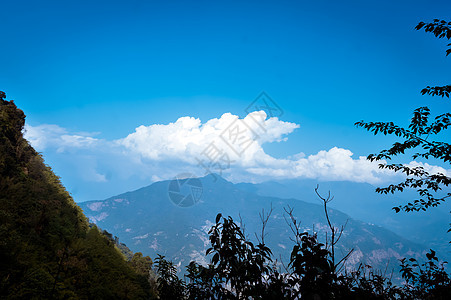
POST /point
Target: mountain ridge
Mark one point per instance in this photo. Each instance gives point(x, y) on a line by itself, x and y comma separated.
point(47, 248)
point(148, 221)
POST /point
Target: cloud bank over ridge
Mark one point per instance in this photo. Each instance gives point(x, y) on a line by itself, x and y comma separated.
point(227, 145)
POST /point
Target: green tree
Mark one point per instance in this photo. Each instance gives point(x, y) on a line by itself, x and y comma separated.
point(233, 273)
point(141, 264)
point(425, 281)
point(47, 248)
point(422, 138)
point(169, 286)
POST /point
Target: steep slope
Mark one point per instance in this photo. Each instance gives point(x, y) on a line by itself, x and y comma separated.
point(360, 201)
point(47, 249)
point(148, 221)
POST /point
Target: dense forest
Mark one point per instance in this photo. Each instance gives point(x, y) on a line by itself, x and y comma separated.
point(49, 250)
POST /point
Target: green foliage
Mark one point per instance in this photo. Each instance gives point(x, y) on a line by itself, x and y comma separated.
point(440, 28)
point(236, 260)
point(425, 281)
point(238, 270)
point(418, 137)
point(204, 282)
point(169, 285)
point(47, 250)
point(141, 264)
point(312, 266)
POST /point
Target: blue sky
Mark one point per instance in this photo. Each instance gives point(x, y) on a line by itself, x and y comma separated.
point(88, 73)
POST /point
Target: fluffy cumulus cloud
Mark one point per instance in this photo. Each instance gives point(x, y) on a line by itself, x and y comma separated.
point(228, 139)
point(234, 146)
point(334, 164)
point(227, 145)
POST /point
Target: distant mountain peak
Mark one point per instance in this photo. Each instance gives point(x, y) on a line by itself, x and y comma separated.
point(211, 178)
point(214, 177)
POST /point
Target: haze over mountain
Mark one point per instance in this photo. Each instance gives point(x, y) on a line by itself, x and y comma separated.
point(360, 201)
point(156, 101)
point(147, 220)
point(275, 96)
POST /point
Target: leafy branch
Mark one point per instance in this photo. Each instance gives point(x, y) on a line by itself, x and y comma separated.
point(418, 136)
point(440, 28)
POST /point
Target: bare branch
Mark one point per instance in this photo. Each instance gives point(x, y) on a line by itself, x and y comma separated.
point(292, 223)
point(335, 232)
point(242, 225)
point(264, 218)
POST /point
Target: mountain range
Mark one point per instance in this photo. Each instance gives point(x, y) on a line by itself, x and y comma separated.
point(360, 201)
point(173, 217)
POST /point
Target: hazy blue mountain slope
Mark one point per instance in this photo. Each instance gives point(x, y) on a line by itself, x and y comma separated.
point(148, 221)
point(360, 201)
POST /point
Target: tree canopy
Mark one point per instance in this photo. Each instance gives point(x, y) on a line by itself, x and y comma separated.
point(47, 248)
point(422, 138)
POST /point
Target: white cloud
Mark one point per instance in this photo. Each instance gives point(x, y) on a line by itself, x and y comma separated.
point(188, 139)
point(161, 151)
point(334, 164)
point(430, 168)
point(53, 136)
point(43, 135)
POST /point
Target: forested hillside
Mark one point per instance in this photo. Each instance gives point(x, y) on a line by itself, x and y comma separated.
point(149, 222)
point(47, 248)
